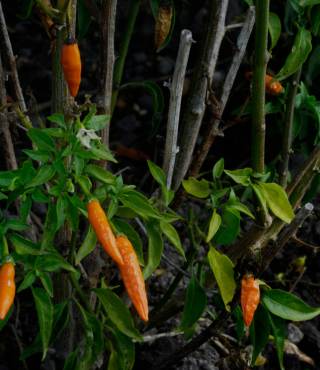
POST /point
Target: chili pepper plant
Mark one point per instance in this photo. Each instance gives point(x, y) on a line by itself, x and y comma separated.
point(84, 246)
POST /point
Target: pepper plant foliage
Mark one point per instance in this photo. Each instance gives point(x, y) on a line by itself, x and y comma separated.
point(58, 175)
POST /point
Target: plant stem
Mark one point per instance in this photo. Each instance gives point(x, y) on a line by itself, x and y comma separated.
point(258, 86)
point(107, 25)
point(287, 135)
point(119, 66)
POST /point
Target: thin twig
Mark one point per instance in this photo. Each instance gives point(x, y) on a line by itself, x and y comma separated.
point(176, 89)
point(10, 157)
point(214, 130)
point(152, 338)
point(287, 135)
point(202, 78)
point(12, 61)
point(258, 86)
point(108, 25)
point(303, 243)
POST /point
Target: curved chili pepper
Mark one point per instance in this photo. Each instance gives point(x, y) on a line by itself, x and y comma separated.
point(71, 65)
point(101, 226)
point(250, 298)
point(7, 288)
point(132, 277)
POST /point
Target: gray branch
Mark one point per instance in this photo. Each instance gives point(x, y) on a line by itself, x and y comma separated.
point(176, 89)
point(204, 72)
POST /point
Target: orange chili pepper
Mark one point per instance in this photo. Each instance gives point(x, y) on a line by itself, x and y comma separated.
point(250, 298)
point(7, 288)
point(273, 87)
point(71, 65)
point(132, 277)
point(102, 228)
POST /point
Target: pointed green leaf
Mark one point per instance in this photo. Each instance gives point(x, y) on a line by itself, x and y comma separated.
point(288, 306)
point(44, 309)
point(199, 189)
point(277, 201)
point(274, 29)
point(259, 332)
point(118, 312)
point(195, 304)
point(157, 173)
point(155, 248)
point(44, 174)
point(171, 233)
point(214, 225)
point(87, 246)
point(278, 326)
point(218, 169)
point(299, 53)
point(222, 268)
point(241, 176)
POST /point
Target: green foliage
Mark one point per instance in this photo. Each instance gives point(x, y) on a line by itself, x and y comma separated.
point(222, 268)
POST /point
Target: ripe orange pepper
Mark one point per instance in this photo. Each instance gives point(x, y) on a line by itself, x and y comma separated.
point(250, 298)
point(163, 25)
point(71, 65)
point(102, 228)
point(7, 288)
point(273, 87)
point(132, 277)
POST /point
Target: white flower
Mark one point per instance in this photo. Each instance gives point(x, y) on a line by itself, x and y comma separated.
point(85, 136)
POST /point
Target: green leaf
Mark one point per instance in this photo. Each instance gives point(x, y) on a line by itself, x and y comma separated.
point(44, 174)
point(100, 174)
point(277, 201)
point(241, 176)
point(261, 197)
point(274, 29)
point(97, 123)
point(157, 173)
point(238, 206)
point(57, 118)
point(259, 332)
point(125, 347)
point(299, 53)
point(87, 246)
point(171, 233)
point(61, 208)
point(47, 283)
point(218, 169)
point(305, 3)
point(155, 248)
point(240, 327)
point(288, 306)
point(195, 304)
point(138, 203)
point(42, 140)
point(222, 268)
point(28, 280)
point(85, 184)
point(214, 225)
point(37, 155)
point(117, 312)
point(278, 326)
point(199, 189)
point(25, 246)
point(53, 262)
point(126, 229)
point(44, 309)
point(102, 153)
point(71, 361)
point(229, 228)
